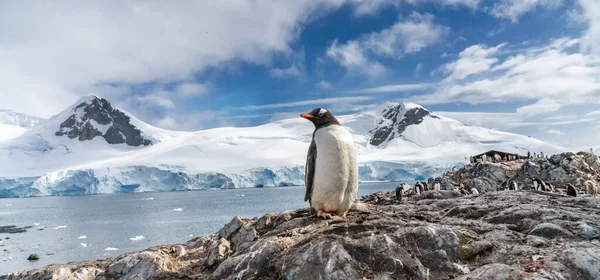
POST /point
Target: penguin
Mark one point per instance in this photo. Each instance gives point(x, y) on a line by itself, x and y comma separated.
point(437, 187)
point(571, 190)
point(418, 188)
point(399, 190)
point(590, 187)
point(512, 186)
point(331, 171)
point(474, 191)
point(425, 186)
point(540, 185)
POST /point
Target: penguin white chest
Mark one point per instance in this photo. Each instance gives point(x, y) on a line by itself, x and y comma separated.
point(335, 184)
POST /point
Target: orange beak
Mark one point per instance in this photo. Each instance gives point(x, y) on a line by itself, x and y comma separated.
point(306, 116)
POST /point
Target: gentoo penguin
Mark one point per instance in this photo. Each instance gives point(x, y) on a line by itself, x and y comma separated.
point(590, 187)
point(399, 190)
point(425, 187)
point(512, 186)
point(437, 187)
point(540, 185)
point(571, 190)
point(474, 191)
point(331, 171)
point(418, 188)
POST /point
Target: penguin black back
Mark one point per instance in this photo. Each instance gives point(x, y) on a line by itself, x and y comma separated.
point(571, 190)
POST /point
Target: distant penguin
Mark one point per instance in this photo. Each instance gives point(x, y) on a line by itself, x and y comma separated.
point(590, 187)
point(512, 186)
point(437, 187)
point(425, 186)
point(418, 188)
point(540, 185)
point(399, 190)
point(571, 190)
point(474, 191)
point(331, 171)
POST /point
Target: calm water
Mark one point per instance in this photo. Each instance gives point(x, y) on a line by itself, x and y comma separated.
point(114, 221)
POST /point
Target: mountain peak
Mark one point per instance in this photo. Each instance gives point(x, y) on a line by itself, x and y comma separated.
point(395, 117)
point(92, 116)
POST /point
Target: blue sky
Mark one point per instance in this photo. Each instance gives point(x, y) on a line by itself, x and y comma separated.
point(530, 67)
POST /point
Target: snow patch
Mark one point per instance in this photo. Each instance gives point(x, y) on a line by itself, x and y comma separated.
point(111, 249)
point(178, 209)
point(59, 227)
point(82, 237)
point(137, 237)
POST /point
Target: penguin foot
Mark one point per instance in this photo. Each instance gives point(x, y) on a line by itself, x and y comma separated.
point(323, 215)
point(343, 215)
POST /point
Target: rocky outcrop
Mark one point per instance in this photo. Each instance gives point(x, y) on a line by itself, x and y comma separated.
point(558, 170)
point(437, 235)
point(395, 119)
point(88, 117)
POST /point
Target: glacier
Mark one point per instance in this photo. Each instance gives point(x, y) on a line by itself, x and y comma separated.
point(140, 178)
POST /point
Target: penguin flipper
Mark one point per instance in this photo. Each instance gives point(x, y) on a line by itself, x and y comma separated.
point(309, 170)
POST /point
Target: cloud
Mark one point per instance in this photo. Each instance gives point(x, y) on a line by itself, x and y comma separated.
point(190, 89)
point(468, 3)
point(155, 99)
point(474, 59)
point(552, 73)
point(352, 57)
point(513, 9)
point(408, 35)
point(544, 105)
point(48, 61)
point(555, 131)
point(333, 100)
point(394, 88)
point(371, 7)
point(590, 12)
point(292, 71)
point(593, 113)
point(324, 85)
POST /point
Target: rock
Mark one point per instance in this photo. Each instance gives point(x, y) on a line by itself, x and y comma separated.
point(218, 253)
point(495, 271)
point(12, 229)
point(33, 257)
point(496, 235)
point(584, 261)
point(550, 230)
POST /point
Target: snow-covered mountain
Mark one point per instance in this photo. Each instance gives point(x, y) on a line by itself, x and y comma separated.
point(94, 147)
point(13, 124)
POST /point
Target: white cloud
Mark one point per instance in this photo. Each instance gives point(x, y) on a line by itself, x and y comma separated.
point(408, 35)
point(552, 73)
point(555, 131)
point(474, 59)
point(371, 7)
point(394, 88)
point(155, 99)
point(190, 89)
point(333, 100)
point(324, 85)
point(292, 71)
point(52, 53)
point(352, 57)
point(593, 113)
point(469, 3)
point(513, 9)
point(590, 42)
point(544, 105)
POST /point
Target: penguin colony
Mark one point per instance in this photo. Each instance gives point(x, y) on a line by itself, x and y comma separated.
point(331, 170)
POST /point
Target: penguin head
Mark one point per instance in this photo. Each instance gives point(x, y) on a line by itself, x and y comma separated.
point(320, 117)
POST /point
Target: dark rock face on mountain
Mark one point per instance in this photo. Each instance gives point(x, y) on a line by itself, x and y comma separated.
point(496, 235)
point(120, 130)
point(393, 122)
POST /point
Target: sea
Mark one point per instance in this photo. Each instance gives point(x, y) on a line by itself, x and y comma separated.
point(77, 228)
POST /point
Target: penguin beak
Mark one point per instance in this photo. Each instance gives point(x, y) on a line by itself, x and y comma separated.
point(306, 116)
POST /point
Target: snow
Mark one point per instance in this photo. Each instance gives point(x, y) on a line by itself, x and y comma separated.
point(38, 163)
point(137, 238)
point(8, 131)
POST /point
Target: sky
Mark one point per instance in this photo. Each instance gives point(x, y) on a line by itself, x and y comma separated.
point(525, 66)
